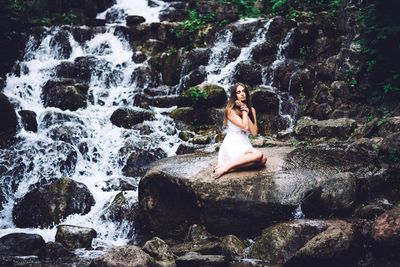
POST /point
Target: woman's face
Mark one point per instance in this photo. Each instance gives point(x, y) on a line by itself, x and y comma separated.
point(241, 93)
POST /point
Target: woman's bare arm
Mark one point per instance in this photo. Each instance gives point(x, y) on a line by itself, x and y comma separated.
point(241, 122)
point(253, 126)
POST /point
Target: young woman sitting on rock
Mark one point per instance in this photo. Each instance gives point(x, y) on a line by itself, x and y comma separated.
point(240, 119)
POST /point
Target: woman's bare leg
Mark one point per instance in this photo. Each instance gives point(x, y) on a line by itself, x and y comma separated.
point(250, 158)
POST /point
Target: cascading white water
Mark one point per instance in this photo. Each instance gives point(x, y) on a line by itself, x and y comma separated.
point(135, 7)
point(267, 78)
point(219, 70)
point(40, 156)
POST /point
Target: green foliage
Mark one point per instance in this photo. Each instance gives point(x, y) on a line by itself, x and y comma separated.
point(292, 7)
point(196, 94)
point(247, 8)
point(380, 35)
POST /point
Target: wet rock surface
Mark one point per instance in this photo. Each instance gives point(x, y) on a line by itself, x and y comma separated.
point(35, 209)
point(73, 237)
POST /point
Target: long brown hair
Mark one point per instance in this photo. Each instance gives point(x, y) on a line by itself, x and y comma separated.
point(231, 102)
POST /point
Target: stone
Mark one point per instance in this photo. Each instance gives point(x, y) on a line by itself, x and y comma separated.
point(73, 237)
point(265, 101)
point(158, 249)
point(373, 209)
point(48, 204)
point(139, 161)
point(195, 259)
point(386, 229)
point(123, 209)
point(60, 43)
point(134, 20)
point(337, 245)
point(22, 244)
point(339, 128)
point(198, 200)
point(124, 256)
point(366, 130)
point(65, 94)
point(8, 118)
point(336, 195)
point(28, 118)
point(56, 251)
point(279, 243)
point(128, 117)
point(389, 126)
point(390, 148)
point(249, 73)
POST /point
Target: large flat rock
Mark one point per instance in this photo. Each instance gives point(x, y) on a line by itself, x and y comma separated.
point(180, 191)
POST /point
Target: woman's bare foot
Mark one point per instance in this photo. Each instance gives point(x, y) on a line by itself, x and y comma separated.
point(219, 171)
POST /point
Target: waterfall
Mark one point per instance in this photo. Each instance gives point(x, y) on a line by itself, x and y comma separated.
point(124, 8)
point(268, 74)
point(41, 157)
point(219, 70)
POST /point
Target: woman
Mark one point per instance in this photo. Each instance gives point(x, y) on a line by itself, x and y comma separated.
point(240, 118)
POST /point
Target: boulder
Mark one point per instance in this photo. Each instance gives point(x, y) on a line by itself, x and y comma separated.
point(22, 244)
point(207, 95)
point(162, 101)
point(386, 229)
point(279, 243)
point(60, 43)
point(337, 245)
point(389, 126)
point(198, 240)
point(28, 119)
point(73, 237)
point(55, 251)
point(180, 191)
point(134, 20)
point(265, 101)
point(128, 117)
point(264, 53)
point(336, 195)
point(193, 78)
point(123, 209)
point(160, 251)
point(248, 72)
point(175, 11)
point(192, 116)
point(223, 11)
point(48, 204)
point(70, 134)
point(144, 76)
point(339, 128)
point(124, 256)
point(65, 94)
point(196, 259)
point(243, 33)
point(8, 118)
point(139, 161)
point(194, 58)
point(373, 209)
point(390, 148)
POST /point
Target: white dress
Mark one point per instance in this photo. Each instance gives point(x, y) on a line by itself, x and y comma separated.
point(235, 144)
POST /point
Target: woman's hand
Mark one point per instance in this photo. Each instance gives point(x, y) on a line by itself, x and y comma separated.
point(244, 108)
point(239, 103)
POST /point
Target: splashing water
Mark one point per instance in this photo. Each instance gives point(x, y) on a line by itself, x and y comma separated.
point(44, 156)
point(219, 71)
point(135, 7)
